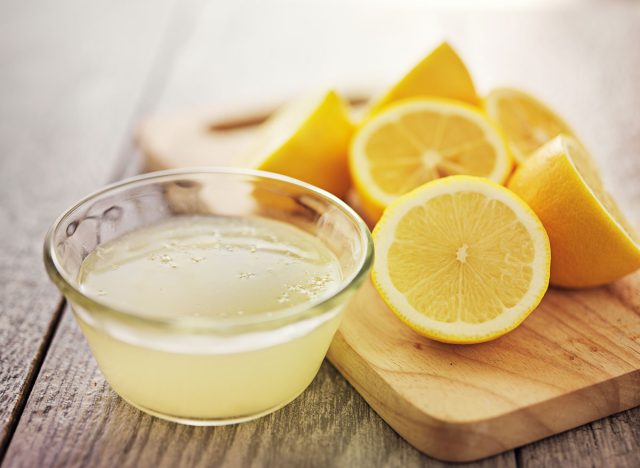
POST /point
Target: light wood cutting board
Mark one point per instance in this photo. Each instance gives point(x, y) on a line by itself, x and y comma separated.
point(574, 360)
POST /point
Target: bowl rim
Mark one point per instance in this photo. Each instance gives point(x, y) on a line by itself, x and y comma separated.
point(73, 293)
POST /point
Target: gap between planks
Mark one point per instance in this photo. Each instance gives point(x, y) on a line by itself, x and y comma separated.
point(32, 376)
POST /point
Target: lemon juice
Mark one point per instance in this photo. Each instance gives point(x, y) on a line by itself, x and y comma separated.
point(230, 295)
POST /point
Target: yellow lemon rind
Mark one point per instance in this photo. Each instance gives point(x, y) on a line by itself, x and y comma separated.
point(323, 134)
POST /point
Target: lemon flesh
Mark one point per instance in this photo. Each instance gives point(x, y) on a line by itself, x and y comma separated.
point(588, 170)
point(461, 260)
point(307, 139)
point(418, 140)
point(592, 242)
point(527, 122)
point(442, 73)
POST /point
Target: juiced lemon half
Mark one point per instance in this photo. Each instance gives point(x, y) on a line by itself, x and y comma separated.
point(461, 259)
point(418, 140)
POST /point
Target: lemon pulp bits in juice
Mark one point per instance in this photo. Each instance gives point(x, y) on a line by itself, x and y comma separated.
point(230, 269)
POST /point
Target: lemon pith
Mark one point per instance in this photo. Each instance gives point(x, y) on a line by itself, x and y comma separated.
point(461, 259)
point(421, 139)
point(591, 241)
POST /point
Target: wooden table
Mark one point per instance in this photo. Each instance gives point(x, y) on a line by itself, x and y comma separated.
point(76, 76)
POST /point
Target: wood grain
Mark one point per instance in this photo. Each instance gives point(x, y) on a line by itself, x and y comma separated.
point(614, 441)
point(64, 107)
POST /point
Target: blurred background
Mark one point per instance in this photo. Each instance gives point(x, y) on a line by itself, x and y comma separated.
point(76, 76)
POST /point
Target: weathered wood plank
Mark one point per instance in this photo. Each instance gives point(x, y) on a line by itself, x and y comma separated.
point(613, 441)
point(68, 85)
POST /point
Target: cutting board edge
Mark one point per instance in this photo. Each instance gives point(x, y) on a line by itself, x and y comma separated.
point(454, 441)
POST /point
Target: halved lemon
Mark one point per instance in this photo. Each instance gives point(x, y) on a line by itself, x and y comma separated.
point(461, 259)
point(592, 242)
point(307, 139)
point(442, 73)
point(527, 122)
point(418, 140)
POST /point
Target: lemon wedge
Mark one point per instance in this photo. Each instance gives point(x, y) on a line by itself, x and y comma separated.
point(307, 139)
point(442, 73)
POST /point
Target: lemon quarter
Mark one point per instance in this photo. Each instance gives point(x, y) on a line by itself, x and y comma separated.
point(307, 139)
point(461, 259)
point(442, 73)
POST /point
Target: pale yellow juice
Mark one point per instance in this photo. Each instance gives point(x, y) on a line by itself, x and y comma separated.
point(194, 270)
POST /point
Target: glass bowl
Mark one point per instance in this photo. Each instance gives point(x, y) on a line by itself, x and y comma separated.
point(207, 370)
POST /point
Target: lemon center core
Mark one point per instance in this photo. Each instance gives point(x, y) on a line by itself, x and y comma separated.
point(540, 135)
point(461, 254)
point(431, 158)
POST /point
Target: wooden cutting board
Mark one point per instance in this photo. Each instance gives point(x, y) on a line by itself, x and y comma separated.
point(575, 359)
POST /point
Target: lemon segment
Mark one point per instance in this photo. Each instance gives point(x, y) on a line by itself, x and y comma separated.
point(461, 259)
point(592, 243)
point(526, 121)
point(418, 140)
point(442, 73)
point(307, 139)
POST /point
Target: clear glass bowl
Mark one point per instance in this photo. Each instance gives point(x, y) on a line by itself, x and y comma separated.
point(203, 370)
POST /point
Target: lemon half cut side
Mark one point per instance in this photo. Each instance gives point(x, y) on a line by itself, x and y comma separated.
point(461, 259)
point(418, 140)
point(527, 122)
